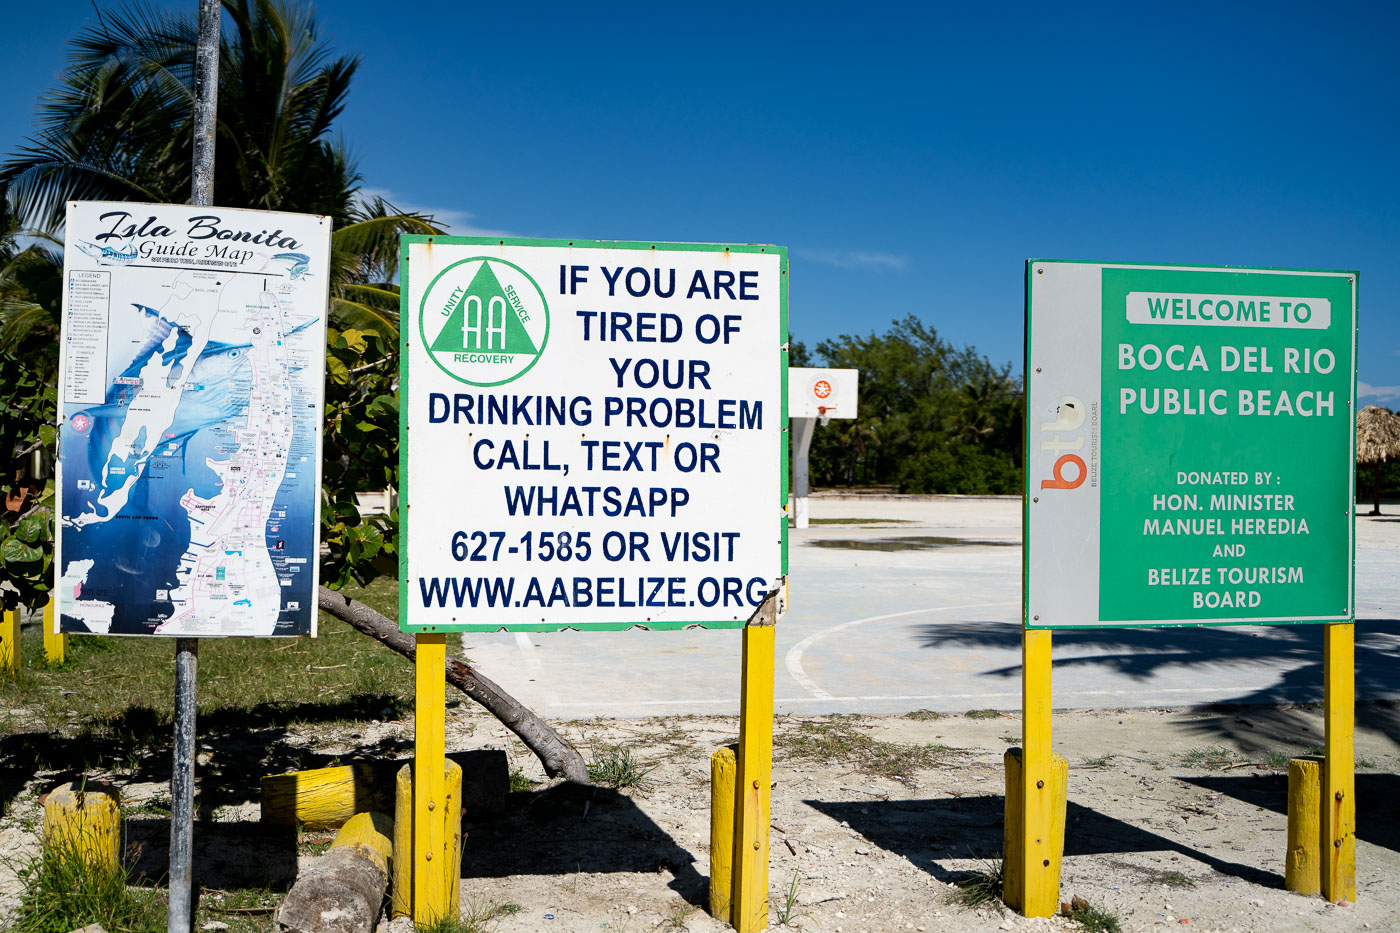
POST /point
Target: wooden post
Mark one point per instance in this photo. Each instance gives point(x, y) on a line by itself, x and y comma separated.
point(1013, 830)
point(1035, 878)
point(430, 901)
point(9, 643)
point(401, 881)
point(754, 773)
point(722, 764)
point(1302, 870)
point(402, 900)
point(1338, 816)
point(55, 642)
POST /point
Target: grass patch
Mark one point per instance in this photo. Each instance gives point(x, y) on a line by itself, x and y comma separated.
point(983, 714)
point(109, 707)
point(269, 679)
point(519, 783)
point(1172, 879)
point(614, 766)
point(1278, 760)
point(786, 910)
point(63, 891)
point(842, 739)
point(475, 918)
point(923, 715)
point(1215, 756)
point(1099, 763)
point(980, 886)
point(1089, 917)
point(246, 910)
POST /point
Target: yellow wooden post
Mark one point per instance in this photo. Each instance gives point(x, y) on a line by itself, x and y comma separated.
point(1302, 871)
point(721, 831)
point(754, 774)
point(452, 837)
point(9, 642)
point(1013, 830)
point(85, 820)
point(55, 642)
point(402, 898)
point(430, 902)
point(1034, 881)
point(1339, 769)
point(401, 881)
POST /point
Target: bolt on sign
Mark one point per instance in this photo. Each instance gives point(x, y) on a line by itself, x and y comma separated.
point(593, 434)
point(1190, 436)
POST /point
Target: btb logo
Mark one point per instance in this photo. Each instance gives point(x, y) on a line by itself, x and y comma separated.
point(1069, 416)
point(484, 321)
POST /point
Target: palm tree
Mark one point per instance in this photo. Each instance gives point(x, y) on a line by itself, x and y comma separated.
point(120, 126)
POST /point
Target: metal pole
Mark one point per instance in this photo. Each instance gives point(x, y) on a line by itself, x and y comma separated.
point(801, 444)
point(206, 84)
point(182, 787)
point(206, 102)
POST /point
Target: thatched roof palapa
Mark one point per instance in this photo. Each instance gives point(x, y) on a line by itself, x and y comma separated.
point(1377, 435)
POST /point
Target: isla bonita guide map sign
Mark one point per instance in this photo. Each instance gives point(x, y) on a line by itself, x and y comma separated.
point(594, 434)
point(1190, 440)
point(190, 394)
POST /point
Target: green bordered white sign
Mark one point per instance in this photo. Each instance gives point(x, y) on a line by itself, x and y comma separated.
point(593, 434)
point(1190, 441)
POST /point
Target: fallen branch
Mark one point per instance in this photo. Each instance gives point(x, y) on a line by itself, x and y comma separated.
point(558, 755)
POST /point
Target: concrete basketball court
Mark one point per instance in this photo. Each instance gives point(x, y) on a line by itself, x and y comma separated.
point(907, 602)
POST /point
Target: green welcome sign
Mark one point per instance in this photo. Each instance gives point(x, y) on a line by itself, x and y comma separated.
point(1190, 439)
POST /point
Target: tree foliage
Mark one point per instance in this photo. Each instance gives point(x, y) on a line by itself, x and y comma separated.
point(932, 417)
point(119, 126)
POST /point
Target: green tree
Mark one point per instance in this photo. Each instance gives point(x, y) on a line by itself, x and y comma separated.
point(932, 417)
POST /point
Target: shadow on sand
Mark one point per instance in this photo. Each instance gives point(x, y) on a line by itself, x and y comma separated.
point(929, 831)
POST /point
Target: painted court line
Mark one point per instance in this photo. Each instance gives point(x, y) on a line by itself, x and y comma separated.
point(793, 659)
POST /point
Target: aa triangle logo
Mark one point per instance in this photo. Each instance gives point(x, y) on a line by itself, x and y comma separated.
point(484, 321)
point(483, 318)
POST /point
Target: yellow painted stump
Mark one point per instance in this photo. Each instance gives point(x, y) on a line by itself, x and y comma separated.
point(9, 642)
point(401, 901)
point(722, 770)
point(85, 820)
point(322, 798)
point(1303, 866)
point(371, 832)
point(1014, 887)
point(55, 643)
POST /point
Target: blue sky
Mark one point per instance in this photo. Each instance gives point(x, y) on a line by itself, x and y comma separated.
point(911, 157)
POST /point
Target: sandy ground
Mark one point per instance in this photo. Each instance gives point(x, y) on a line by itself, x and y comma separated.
point(1176, 815)
point(1156, 837)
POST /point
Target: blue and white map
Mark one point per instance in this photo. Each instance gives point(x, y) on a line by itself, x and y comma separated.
point(191, 388)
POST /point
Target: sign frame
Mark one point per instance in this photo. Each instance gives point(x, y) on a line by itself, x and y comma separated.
point(1042, 344)
point(408, 331)
point(217, 250)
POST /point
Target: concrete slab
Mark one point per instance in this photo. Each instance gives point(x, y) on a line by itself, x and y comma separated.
point(902, 603)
